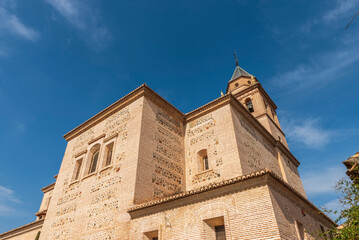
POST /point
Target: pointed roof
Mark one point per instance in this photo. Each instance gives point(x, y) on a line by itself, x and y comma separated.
point(239, 72)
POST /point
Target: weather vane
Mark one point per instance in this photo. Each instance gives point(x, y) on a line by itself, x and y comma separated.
point(235, 56)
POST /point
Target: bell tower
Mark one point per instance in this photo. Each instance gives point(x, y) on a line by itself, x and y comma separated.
point(248, 91)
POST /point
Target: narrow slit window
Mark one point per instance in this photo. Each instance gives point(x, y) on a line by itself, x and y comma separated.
point(94, 161)
point(220, 232)
point(109, 153)
point(203, 163)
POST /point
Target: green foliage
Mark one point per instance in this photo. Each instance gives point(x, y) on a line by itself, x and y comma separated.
point(349, 213)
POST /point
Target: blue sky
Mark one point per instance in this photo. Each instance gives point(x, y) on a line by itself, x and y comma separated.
point(62, 61)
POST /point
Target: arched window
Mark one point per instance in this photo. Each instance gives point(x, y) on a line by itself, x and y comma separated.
point(203, 163)
point(249, 105)
point(95, 152)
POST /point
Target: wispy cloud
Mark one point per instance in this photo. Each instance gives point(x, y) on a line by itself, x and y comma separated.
point(11, 24)
point(84, 18)
point(322, 180)
point(319, 71)
point(70, 11)
point(7, 200)
point(323, 67)
point(8, 194)
point(308, 132)
point(343, 9)
point(335, 207)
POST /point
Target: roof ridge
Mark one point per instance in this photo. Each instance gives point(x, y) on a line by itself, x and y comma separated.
point(208, 187)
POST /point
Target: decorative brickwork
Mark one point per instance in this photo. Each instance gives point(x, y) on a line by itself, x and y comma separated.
point(178, 176)
point(81, 141)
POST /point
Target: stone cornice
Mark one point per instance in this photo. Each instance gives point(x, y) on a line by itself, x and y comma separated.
point(178, 199)
point(255, 123)
point(80, 153)
point(202, 189)
point(41, 213)
point(121, 103)
point(48, 188)
point(261, 89)
point(230, 99)
point(144, 90)
point(232, 80)
point(209, 107)
point(279, 185)
point(259, 127)
point(270, 119)
point(96, 139)
point(156, 98)
point(28, 227)
point(286, 151)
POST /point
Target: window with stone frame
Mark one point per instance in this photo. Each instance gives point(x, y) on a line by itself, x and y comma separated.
point(214, 229)
point(109, 154)
point(151, 235)
point(94, 157)
point(77, 170)
point(203, 163)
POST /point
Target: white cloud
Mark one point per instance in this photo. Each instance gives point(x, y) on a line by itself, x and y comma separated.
point(70, 11)
point(322, 180)
point(8, 194)
point(10, 23)
point(7, 200)
point(84, 18)
point(308, 132)
point(343, 9)
point(334, 206)
point(319, 70)
point(337, 16)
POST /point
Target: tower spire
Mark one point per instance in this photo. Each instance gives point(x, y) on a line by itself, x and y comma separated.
point(235, 57)
point(238, 71)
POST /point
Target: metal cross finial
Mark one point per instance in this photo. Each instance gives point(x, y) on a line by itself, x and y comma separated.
point(235, 56)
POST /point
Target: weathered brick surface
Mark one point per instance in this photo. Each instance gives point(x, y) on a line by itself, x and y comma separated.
point(289, 209)
point(243, 213)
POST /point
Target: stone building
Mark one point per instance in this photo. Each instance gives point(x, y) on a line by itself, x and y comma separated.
point(352, 165)
point(141, 169)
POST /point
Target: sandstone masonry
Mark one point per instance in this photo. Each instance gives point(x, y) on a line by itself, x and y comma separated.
point(141, 169)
